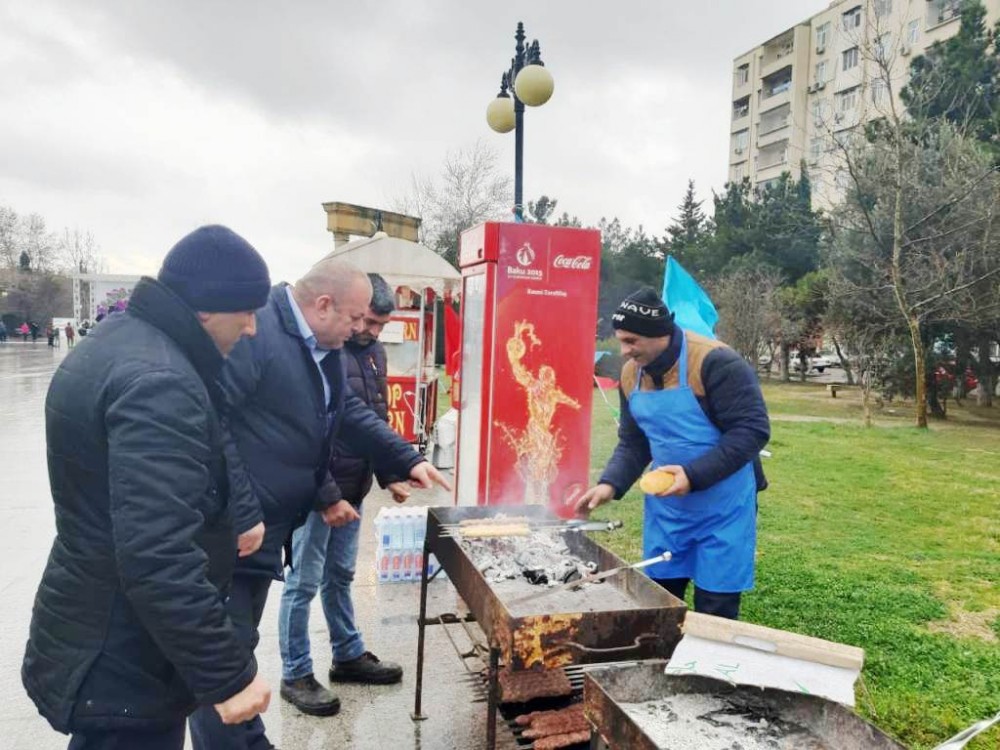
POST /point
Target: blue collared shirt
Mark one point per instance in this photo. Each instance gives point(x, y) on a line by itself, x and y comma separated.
point(310, 338)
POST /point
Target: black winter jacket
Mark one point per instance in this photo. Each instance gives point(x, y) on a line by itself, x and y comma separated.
point(729, 394)
point(280, 425)
point(129, 628)
point(366, 376)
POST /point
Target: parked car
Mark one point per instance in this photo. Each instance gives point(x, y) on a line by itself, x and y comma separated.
point(818, 363)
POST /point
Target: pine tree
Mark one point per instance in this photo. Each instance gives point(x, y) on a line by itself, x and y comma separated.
point(958, 80)
point(684, 237)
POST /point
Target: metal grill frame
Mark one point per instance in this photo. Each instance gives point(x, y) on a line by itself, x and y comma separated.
point(547, 640)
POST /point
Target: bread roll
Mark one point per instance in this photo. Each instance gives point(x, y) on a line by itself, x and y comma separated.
point(656, 482)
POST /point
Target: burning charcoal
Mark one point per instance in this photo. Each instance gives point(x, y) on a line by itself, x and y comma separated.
point(573, 575)
point(536, 577)
point(562, 570)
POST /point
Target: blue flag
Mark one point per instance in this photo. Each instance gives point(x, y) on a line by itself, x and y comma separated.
point(692, 308)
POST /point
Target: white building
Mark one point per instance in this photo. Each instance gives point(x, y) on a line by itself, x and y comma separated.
point(91, 290)
point(817, 81)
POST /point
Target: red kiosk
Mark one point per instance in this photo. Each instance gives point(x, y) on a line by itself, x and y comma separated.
point(419, 276)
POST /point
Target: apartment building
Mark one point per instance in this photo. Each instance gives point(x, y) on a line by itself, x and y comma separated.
point(799, 94)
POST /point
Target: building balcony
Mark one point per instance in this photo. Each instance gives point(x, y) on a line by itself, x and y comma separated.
point(942, 11)
point(775, 134)
point(777, 54)
point(775, 98)
point(741, 109)
point(775, 89)
point(774, 156)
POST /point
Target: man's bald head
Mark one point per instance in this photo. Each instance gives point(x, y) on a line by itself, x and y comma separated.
point(331, 277)
point(334, 297)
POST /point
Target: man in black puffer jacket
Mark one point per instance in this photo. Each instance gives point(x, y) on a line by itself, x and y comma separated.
point(287, 387)
point(324, 558)
point(129, 631)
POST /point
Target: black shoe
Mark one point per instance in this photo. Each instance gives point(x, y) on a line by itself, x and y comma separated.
point(368, 669)
point(307, 695)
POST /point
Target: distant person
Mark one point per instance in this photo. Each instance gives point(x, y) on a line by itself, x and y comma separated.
point(50, 335)
point(3, 333)
point(129, 632)
point(85, 328)
point(34, 332)
point(70, 335)
point(324, 557)
point(25, 331)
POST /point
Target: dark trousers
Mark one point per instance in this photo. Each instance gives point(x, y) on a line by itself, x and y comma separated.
point(705, 602)
point(247, 597)
point(130, 739)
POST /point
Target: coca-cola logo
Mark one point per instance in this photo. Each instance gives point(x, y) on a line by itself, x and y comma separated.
point(577, 263)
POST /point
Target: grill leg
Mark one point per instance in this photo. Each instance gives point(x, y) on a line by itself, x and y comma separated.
point(494, 699)
point(417, 715)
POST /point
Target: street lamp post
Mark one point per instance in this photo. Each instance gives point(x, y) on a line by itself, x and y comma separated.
point(529, 83)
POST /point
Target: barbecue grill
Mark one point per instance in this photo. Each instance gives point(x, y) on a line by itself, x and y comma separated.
point(626, 617)
point(623, 706)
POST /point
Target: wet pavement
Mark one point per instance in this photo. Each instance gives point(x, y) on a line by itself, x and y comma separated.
point(371, 717)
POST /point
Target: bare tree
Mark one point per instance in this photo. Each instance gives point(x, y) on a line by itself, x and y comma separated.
point(918, 228)
point(470, 189)
point(39, 243)
point(748, 311)
point(79, 252)
point(10, 237)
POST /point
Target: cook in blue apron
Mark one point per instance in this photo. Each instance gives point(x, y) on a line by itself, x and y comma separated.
point(711, 533)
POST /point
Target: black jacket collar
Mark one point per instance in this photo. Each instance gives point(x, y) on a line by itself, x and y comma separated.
point(279, 296)
point(160, 307)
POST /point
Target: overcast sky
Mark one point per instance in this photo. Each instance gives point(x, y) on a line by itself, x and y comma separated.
point(140, 120)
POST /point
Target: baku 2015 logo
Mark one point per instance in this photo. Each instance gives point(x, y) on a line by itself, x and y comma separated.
point(525, 255)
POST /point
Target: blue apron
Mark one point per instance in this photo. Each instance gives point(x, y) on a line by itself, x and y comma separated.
point(712, 533)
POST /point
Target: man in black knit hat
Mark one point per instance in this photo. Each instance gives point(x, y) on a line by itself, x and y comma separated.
point(693, 407)
point(129, 632)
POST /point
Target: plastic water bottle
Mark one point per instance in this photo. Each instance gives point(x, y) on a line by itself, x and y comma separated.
point(419, 535)
point(409, 536)
point(382, 555)
point(396, 546)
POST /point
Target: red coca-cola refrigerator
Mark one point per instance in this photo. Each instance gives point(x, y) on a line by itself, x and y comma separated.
point(529, 317)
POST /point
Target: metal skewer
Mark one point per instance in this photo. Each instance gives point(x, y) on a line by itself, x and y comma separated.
point(455, 530)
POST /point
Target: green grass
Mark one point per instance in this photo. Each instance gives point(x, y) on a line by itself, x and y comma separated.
point(885, 538)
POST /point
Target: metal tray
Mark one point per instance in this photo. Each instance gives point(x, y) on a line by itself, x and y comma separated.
point(605, 690)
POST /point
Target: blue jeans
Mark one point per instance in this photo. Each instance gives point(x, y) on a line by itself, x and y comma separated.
point(323, 558)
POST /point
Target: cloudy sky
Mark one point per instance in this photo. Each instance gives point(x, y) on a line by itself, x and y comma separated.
point(139, 119)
